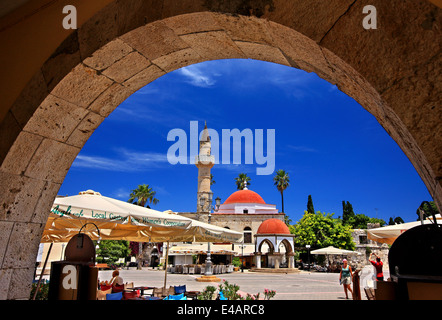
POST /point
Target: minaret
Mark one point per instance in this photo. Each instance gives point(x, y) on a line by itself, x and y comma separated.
point(204, 161)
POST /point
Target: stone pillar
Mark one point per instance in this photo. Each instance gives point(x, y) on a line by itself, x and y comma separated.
point(258, 260)
point(291, 263)
point(277, 257)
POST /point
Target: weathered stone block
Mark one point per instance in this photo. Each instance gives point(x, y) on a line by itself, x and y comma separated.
point(262, 52)
point(300, 51)
point(55, 119)
point(110, 99)
point(20, 283)
point(21, 152)
point(248, 29)
point(108, 55)
point(45, 201)
point(51, 161)
point(213, 45)
point(143, 78)
point(127, 67)
point(178, 60)
point(311, 18)
point(19, 197)
point(154, 40)
point(5, 233)
point(81, 86)
point(25, 238)
point(85, 129)
point(193, 22)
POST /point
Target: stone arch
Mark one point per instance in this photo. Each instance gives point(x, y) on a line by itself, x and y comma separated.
point(268, 242)
point(45, 123)
point(288, 246)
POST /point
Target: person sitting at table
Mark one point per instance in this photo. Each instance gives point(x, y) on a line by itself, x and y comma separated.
point(117, 282)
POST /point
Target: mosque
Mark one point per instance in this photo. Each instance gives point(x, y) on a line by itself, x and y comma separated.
point(267, 242)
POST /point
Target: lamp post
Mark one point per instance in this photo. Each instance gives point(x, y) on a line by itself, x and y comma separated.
point(308, 250)
point(206, 205)
point(242, 255)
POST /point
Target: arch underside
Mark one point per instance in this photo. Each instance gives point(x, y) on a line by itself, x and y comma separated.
point(102, 63)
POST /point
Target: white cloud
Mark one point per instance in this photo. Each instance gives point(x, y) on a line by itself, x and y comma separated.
point(197, 77)
point(127, 162)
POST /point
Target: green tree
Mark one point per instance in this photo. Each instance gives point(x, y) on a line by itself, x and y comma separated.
point(142, 195)
point(310, 207)
point(281, 181)
point(395, 220)
point(321, 230)
point(427, 210)
point(242, 180)
point(212, 182)
point(348, 215)
point(110, 251)
point(360, 221)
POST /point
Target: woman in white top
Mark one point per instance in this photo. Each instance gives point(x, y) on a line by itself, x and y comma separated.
point(116, 279)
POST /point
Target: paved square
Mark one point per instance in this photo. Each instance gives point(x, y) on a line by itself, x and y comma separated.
point(300, 286)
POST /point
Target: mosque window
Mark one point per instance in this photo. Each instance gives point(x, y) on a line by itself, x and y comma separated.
point(247, 235)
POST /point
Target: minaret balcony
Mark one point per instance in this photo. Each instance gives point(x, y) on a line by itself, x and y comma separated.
point(204, 159)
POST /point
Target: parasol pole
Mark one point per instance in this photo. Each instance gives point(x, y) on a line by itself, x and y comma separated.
point(42, 271)
point(165, 265)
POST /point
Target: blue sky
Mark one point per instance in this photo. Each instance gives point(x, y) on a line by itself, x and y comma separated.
point(332, 148)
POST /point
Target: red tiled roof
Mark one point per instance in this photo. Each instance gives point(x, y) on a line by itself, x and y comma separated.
point(244, 196)
point(273, 226)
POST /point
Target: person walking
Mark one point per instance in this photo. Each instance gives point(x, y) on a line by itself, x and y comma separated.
point(378, 266)
point(345, 277)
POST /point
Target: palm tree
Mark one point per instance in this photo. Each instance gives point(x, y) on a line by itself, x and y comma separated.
point(242, 181)
point(281, 180)
point(142, 195)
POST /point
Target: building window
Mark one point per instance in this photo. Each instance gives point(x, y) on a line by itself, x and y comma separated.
point(363, 240)
point(247, 235)
point(245, 211)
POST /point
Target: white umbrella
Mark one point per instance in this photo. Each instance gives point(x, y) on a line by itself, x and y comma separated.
point(119, 220)
point(332, 250)
point(388, 234)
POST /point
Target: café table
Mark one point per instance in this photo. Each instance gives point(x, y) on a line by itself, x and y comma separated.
point(145, 298)
point(192, 294)
point(141, 288)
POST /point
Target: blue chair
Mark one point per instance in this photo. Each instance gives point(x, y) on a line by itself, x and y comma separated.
point(176, 297)
point(180, 289)
point(221, 296)
point(114, 296)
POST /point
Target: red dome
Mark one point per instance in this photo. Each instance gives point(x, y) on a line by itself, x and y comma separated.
point(273, 226)
point(244, 196)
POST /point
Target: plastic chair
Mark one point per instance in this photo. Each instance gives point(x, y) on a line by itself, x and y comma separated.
point(180, 289)
point(176, 297)
point(221, 296)
point(114, 296)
